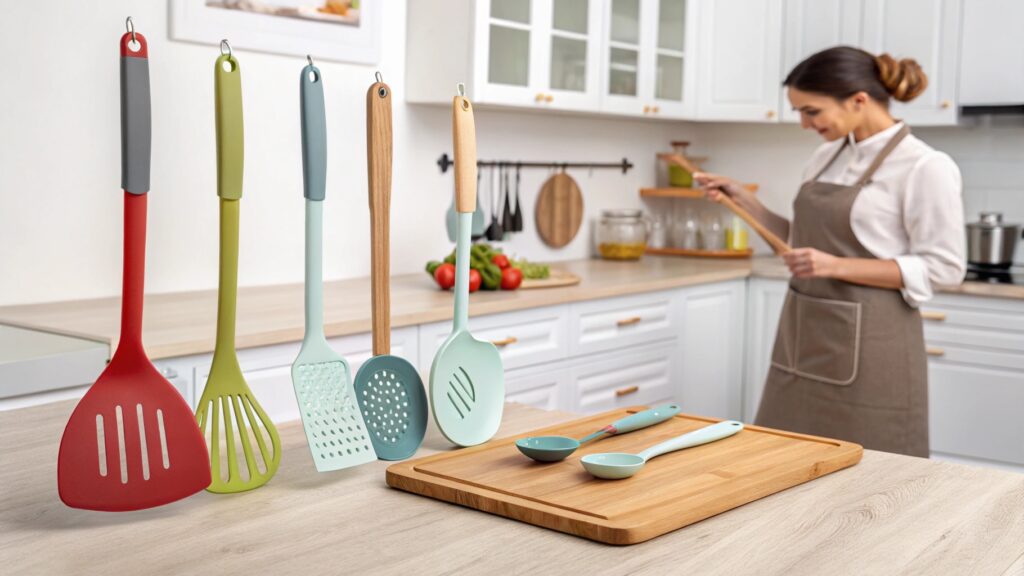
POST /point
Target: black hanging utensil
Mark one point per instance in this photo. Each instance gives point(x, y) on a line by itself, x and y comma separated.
point(494, 231)
point(506, 214)
point(517, 214)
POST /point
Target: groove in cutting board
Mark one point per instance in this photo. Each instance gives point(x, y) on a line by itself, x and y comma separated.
point(673, 491)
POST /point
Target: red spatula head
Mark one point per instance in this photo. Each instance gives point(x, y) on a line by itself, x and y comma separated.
point(131, 443)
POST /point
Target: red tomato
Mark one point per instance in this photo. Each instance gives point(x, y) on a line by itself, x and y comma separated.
point(445, 276)
point(474, 280)
point(501, 261)
point(511, 278)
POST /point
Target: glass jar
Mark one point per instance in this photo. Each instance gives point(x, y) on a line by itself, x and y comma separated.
point(621, 235)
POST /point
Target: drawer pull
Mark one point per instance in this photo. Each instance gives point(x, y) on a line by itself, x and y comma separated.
point(936, 316)
point(933, 351)
point(629, 321)
point(505, 342)
point(627, 391)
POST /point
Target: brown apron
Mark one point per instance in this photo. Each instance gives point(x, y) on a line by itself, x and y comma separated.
point(849, 361)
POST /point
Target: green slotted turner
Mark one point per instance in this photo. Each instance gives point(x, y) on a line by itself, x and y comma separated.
point(334, 426)
point(388, 388)
point(226, 394)
point(467, 380)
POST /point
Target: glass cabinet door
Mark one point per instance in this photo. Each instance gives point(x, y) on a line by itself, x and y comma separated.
point(669, 58)
point(509, 27)
point(571, 74)
point(622, 80)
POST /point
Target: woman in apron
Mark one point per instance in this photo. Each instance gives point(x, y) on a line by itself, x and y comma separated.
point(877, 225)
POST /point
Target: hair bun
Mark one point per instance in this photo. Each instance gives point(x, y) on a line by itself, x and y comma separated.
point(903, 79)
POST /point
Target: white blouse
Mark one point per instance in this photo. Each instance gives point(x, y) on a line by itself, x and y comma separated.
point(910, 212)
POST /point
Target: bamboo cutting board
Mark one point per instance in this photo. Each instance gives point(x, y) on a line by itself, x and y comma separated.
point(672, 491)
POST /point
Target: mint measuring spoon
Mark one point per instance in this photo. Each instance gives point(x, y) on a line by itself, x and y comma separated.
point(556, 448)
point(618, 465)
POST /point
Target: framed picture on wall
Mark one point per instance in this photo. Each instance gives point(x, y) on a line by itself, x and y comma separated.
point(340, 30)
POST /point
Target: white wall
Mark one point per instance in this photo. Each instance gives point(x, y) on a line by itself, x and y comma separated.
point(60, 202)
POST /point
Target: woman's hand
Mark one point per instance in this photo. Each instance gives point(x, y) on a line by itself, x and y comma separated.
point(812, 263)
point(716, 184)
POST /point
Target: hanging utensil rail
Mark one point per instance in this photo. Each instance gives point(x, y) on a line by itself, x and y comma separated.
point(445, 162)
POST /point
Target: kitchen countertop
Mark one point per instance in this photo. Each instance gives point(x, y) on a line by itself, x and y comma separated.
point(179, 324)
point(889, 514)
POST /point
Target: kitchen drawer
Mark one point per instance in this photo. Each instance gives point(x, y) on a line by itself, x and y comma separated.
point(639, 375)
point(976, 412)
point(939, 335)
point(976, 353)
point(545, 387)
point(616, 323)
point(524, 338)
point(268, 369)
point(1000, 314)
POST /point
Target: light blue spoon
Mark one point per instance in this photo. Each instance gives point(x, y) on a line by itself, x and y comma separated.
point(555, 448)
point(618, 465)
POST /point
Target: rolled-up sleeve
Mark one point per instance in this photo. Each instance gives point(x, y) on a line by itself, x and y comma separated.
point(933, 215)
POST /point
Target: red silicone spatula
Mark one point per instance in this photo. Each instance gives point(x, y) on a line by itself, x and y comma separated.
point(132, 442)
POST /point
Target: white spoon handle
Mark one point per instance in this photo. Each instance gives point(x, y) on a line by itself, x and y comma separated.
point(696, 438)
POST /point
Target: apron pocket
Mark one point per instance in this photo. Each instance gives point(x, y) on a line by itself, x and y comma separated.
point(819, 339)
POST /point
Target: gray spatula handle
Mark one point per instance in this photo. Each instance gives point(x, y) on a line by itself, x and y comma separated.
point(135, 113)
point(314, 133)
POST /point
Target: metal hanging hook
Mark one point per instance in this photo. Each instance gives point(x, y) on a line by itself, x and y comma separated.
point(460, 88)
point(224, 45)
point(382, 91)
point(310, 60)
point(378, 76)
point(130, 28)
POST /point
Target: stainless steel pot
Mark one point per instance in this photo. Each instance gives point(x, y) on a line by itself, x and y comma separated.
point(990, 243)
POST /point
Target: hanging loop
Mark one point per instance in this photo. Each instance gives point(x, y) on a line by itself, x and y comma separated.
point(129, 26)
point(225, 48)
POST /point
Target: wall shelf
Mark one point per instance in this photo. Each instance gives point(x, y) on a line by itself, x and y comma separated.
point(672, 192)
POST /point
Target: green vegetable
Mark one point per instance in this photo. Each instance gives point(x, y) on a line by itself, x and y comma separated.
point(480, 260)
point(531, 270)
point(432, 266)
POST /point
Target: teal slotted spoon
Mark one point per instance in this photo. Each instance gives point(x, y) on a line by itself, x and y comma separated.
point(334, 426)
point(388, 388)
point(467, 381)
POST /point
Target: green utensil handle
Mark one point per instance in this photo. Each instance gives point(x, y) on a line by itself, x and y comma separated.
point(314, 133)
point(227, 291)
point(314, 270)
point(464, 146)
point(643, 419)
point(696, 438)
point(228, 110)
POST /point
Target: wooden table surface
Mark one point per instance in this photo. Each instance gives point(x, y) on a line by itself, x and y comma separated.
point(887, 515)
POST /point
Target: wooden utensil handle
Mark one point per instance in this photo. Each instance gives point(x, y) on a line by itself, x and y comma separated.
point(378, 159)
point(777, 244)
point(464, 144)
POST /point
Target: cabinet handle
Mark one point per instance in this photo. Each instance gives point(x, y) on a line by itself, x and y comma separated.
point(647, 109)
point(656, 109)
point(933, 351)
point(627, 391)
point(539, 97)
point(549, 98)
point(946, 104)
point(629, 321)
point(769, 114)
point(505, 342)
point(936, 316)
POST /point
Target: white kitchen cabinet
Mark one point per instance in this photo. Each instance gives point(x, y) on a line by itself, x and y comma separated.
point(811, 26)
point(522, 53)
point(545, 387)
point(614, 323)
point(627, 377)
point(991, 29)
point(738, 53)
point(929, 32)
point(711, 349)
point(523, 338)
point(644, 58)
point(765, 297)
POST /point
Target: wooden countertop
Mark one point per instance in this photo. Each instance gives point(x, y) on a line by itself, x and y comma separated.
point(183, 323)
point(887, 515)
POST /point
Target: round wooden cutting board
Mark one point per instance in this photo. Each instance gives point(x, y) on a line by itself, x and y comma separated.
point(559, 210)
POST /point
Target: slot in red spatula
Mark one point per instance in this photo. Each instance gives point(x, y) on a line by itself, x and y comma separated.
point(132, 442)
